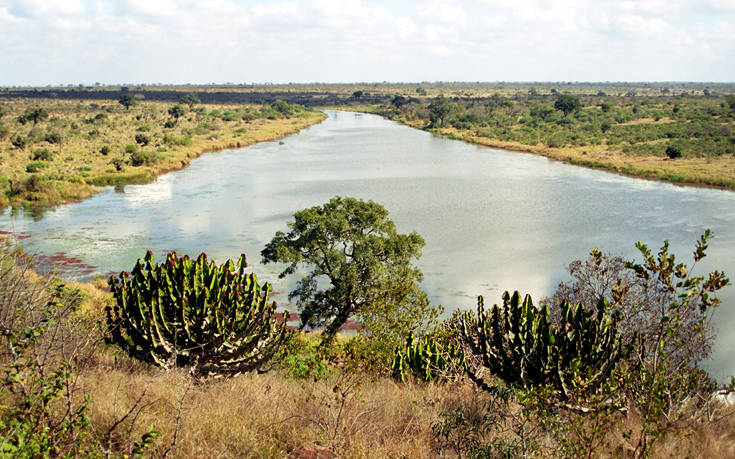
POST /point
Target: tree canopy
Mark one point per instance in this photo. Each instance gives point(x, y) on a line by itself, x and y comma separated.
point(567, 104)
point(352, 246)
point(190, 99)
point(438, 111)
point(127, 100)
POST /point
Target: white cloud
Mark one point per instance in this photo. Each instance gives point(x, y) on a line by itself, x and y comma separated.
point(357, 40)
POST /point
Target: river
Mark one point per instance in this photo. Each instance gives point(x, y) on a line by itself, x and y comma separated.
point(492, 220)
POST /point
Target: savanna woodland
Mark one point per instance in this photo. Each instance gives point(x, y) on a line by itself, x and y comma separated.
point(187, 356)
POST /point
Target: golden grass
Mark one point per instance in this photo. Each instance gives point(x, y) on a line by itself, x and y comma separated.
point(354, 414)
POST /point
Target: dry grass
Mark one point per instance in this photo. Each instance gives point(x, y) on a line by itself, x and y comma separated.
point(355, 414)
point(270, 415)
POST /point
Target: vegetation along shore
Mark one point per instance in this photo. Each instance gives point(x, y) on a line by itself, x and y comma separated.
point(680, 139)
point(56, 150)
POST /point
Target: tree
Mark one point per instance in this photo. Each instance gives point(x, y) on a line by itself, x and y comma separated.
point(399, 101)
point(673, 152)
point(567, 104)
point(541, 111)
point(190, 99)
point(35, 115)
point(439, 109)
point(352, 246)
point(731, 102)
point(176, 111)
point(127, 100)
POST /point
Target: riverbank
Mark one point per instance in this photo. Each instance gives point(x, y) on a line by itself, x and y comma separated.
point(701, 171)
point(76, 147)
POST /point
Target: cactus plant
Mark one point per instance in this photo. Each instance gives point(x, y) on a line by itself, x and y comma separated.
point(426, 358)
point(214, 320)
point(519, 344)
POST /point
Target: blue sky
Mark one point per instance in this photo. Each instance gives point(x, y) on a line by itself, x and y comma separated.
point(186, 41)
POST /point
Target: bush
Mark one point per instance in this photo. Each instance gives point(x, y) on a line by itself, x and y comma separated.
point(131, 149)
point(140, 158)
point(213, 320)
point(105, 150)
point(42, 155)
point(142, 139)
point(35, 166)
point(54, 137)
point(522, 346)
point(673, 152)
point(40, 345)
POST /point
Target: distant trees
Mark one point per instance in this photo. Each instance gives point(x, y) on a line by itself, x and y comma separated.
point(399, 101)
point(127, 101)
point(439, 109)
point(567, 103)
point(35, 115)
point(541, 111)
point(731, 102)
point(190, 99)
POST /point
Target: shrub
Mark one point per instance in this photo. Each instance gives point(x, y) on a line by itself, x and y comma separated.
point(214, 320)
point(105, 150)
point(42, 155)
point(140, 158)
point(19, 142)
point(142, 139)
point(53, 137)
point(673, 152)
point(35, 166)
point(522, 346)
point(131, 149)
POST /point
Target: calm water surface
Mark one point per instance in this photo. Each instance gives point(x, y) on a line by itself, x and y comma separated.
point(492, 220)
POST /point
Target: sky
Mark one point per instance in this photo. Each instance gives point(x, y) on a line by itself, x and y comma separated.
point(52, 42)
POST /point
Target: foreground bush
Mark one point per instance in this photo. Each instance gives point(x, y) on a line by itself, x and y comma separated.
point(522, 346)
point(214, 320)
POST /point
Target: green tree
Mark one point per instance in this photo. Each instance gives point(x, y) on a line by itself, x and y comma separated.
point(190, 99)
point(673, 152)
point(567, 103)
point(399, 101)
point(35, 115)
point(176, 111)
point(127, 100)
point(356, 260)
point(439, 109)
point(731, 102)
